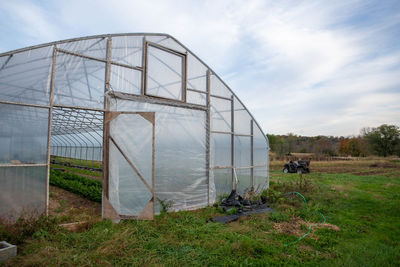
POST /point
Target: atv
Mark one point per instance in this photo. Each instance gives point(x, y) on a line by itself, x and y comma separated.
point(301, 166)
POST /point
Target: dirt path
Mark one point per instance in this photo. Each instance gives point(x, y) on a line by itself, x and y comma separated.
point(71, 207)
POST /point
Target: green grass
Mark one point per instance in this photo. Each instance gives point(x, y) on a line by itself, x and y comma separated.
point(365, 208)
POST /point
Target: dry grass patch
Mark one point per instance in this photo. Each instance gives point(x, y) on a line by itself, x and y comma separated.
point(294, 226)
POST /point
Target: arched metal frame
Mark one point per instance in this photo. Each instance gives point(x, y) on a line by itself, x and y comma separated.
point(80, 132)
point(68, 124)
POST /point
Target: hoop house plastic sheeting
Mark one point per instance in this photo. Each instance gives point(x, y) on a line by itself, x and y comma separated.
point(23, 142)
point(180, 153)
point(173, 130)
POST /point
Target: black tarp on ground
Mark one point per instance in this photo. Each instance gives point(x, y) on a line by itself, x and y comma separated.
point(264, 208)
point(244, 206)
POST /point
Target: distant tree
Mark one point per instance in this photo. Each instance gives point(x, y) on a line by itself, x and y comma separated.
point(351, 146)
point(303, 150)
point(324, 146)
point(291, 141)
point(382, 140)
point(272, 141)
point(277, 144)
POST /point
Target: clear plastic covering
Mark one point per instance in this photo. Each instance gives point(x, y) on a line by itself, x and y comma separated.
point(22, 192)
point(223, 182)
point(196, 74)
point(166, 42)
point(164, 74)
point(196, 98)
point(220, 150)
point(219, 88)
point(221, 115)
point(242, 118)
point(127, 193)
point(87, 146)
point(180, 154)
point(180, 165)
point(127, 50)
point(3, 60)
point(133, 134)
point(261, 148)
point(23, 134)
point(244, 180)
point(77, 133)
point(242, 151)
point(260, 179)
point(25, 76)
point(90, 47)
point(79, 81)
point(125, 80)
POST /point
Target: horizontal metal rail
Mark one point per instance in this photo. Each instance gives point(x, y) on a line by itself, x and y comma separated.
point(98, 59)
point(3, 165)
point(235, 134)
point(155, 100)
point(221, 97)
point(23, 104)
point(238, 168)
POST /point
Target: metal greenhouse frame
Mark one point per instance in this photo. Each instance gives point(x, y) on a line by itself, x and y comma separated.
point(142, 108)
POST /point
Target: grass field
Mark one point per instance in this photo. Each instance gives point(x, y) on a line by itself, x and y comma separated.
point(359, 199)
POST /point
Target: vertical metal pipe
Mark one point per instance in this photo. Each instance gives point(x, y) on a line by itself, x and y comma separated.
point(251, 154)
point(144, 65)
point(234, 186)
point(152, 161)
point(53, 68)
point(208, 132)
point(184, 77)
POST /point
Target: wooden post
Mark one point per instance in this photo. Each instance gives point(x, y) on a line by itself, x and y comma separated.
point(106, 128)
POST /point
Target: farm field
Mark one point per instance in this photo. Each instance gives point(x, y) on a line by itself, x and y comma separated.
point(360, 200)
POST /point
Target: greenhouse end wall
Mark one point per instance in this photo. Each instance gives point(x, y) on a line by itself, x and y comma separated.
point(172, 130)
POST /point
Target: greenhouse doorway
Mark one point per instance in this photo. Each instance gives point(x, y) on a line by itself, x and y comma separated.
point(76, 163)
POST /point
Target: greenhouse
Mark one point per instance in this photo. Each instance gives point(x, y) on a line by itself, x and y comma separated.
point(140, 108)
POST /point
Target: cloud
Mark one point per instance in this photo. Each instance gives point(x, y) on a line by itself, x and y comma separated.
point(29, 20)
point(304, 67)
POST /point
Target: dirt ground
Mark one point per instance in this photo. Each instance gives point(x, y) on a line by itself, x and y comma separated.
point(71, 207)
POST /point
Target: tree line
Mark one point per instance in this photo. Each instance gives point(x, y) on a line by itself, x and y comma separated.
point(381, 141)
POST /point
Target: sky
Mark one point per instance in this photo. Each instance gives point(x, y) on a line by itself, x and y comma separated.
point(303, 67)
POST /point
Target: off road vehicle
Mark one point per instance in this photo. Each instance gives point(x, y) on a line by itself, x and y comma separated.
point(301, 166)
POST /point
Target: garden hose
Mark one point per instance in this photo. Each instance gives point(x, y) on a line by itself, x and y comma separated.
point(309, 228)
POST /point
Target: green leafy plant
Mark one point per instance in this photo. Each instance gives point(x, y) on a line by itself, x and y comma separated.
point(166, 205)
point(88, 188)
